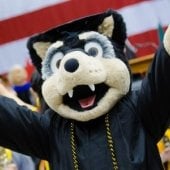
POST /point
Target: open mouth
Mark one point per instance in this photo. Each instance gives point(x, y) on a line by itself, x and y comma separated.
point(85, 97)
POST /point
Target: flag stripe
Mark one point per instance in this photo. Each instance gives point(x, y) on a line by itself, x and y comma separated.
point(144, 16)
point(45, 18)
point(146, 42)
point(17, 7)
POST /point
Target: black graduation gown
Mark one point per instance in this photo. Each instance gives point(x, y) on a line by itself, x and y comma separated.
point(137, 122)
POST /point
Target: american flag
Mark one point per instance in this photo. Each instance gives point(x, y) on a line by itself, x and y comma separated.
point(21, 19)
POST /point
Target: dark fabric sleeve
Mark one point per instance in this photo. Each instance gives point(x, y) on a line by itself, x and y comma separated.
point(23, 130)
point(154, 98)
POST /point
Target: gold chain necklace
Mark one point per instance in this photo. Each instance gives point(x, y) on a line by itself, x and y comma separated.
point(109, 142)
point(73, 148)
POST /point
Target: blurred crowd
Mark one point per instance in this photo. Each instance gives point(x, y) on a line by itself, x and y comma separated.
point(17, 86)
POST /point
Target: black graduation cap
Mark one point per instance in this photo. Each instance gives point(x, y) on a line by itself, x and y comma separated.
point(96, 22)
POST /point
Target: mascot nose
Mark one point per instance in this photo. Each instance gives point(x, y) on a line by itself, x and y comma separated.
point(71, 65)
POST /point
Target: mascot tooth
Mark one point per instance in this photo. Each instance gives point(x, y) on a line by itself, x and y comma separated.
point(94, 120)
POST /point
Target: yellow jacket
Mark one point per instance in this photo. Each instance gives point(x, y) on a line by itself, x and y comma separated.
point(163, 143)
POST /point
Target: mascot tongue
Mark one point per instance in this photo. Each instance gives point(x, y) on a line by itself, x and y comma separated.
point(87, 102)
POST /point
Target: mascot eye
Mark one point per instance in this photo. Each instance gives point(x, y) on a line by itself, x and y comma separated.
point(55, 61)
point(93, 49)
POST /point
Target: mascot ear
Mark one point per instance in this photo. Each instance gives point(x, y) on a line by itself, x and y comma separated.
point(38, 46)
point(107, 26)
point(114, 27)
point(41, 48)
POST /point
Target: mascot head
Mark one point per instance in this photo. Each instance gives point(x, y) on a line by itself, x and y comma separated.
point(83, 65)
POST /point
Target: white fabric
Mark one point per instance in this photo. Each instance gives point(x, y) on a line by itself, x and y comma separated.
point(18, 7)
